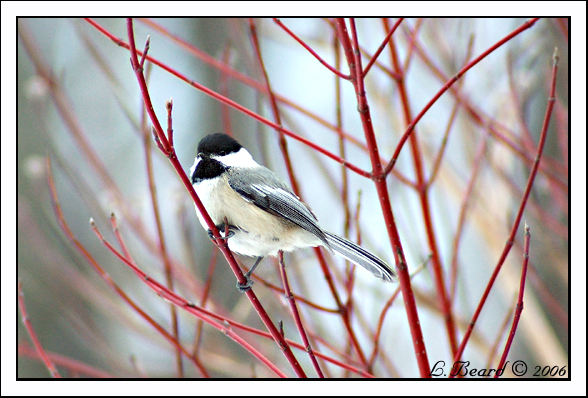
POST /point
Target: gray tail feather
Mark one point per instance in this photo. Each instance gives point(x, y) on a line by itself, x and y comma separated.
point(360, 256)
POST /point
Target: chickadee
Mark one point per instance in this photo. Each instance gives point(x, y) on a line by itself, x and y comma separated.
point(264, 216)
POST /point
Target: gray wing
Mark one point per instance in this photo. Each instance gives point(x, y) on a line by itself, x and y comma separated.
point(268, 192)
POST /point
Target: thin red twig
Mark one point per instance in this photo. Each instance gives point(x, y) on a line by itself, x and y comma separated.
point(528, 24)
point(31, 331)
point(353, 58)
point(501, 332)
point(104, 275)
point(498, 130)
point(62, 361)
point(310, 50)
point(226, 69)
point(223, 246)
point(173, 298)
point(519, 309)
point(382, 46)
point(66, 110)
point(296, 316)
point(293, 182)
point(231, 103)
point(383, 313)
point(157, 215)
point(461, 221)
point(510, 240)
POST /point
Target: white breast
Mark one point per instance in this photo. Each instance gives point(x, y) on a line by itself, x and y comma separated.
point(260, 233)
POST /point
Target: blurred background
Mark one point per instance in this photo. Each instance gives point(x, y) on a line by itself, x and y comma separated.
point(80, 106)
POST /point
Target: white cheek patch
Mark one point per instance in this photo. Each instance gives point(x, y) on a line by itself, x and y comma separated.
point(238, 159)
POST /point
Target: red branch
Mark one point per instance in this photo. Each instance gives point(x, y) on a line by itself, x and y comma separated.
point(222, 245)
point(450, 83)
point(510, 240)
point(234, 105)
point(519, 308)
point(353, 57)
point(29, 327)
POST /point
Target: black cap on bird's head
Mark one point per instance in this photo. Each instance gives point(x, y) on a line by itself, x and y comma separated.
point(218, 144)
point(216, 154)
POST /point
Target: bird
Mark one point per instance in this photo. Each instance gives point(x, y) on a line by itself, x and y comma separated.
point(261, 213)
